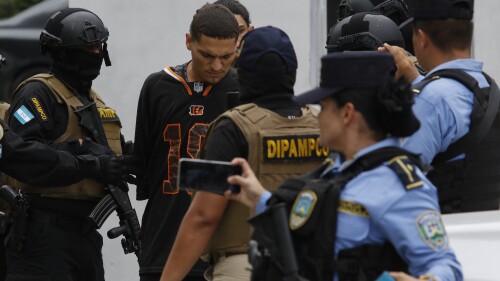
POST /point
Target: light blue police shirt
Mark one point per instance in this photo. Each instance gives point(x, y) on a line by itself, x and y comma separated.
point(385, 211)
point(443, 108)
point(409, 219)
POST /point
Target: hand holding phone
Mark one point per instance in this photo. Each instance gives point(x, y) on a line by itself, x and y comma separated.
point(207, 175)
point(385, 277)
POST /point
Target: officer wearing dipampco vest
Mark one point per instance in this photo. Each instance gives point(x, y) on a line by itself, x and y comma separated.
point(377, 212)
point(57, 109)
point(458, 106)
point(278, 137)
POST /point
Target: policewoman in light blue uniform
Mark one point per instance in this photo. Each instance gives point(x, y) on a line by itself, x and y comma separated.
point(457, 135)
point(388, 203)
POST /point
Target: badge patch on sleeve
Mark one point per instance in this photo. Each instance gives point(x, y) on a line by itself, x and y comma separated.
point(23, 115)
point(302, 208)
point(431, 229)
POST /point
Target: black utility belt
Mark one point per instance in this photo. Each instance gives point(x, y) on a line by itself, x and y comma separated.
point(72, 208)
point(61, 221)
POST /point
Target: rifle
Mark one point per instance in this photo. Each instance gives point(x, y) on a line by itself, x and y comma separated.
point(18, 215)
point(117, 198)
point(119, 201)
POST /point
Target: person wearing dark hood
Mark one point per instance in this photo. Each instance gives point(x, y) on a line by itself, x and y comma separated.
point(268, 130)
point(60, 109)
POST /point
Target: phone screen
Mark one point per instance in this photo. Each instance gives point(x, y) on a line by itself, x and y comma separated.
point(206, 175)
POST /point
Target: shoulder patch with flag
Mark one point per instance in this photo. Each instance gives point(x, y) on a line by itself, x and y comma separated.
point(431, 229)
point(302, 208)
point(23, 115)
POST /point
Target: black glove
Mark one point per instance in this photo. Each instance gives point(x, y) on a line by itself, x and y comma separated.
point(132, 168)
point(90, 147)
point(104, 168)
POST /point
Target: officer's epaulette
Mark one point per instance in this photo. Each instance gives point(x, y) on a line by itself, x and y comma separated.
point(406, 171)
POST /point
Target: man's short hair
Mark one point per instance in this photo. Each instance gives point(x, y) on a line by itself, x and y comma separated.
point(236, 8)
point(215, 21)
point(447, 34)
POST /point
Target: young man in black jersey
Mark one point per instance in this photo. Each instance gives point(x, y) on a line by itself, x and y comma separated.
point(267, 70)
point(175, 107)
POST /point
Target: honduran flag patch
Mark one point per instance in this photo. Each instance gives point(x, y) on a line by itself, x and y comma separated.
point(23, 115)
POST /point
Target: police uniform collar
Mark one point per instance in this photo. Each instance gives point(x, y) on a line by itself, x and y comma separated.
point(388, 142)
point(463, 64)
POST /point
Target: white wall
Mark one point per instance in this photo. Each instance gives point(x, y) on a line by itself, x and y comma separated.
point(487, 36)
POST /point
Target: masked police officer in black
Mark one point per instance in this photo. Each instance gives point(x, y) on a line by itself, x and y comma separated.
point(37, 163)
point(60, 108)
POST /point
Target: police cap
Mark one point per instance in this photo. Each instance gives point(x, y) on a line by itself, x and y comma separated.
point(261, 41)
point(343, 70)
point(443, 9)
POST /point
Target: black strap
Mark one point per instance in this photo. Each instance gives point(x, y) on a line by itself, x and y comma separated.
point(477, 133)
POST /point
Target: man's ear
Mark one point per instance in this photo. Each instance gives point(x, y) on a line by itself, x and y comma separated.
point(424, 39)
point(348, 111)
point(189, 41)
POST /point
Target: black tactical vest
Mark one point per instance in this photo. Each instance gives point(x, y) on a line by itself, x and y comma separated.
point(309, 256)
point(472, 183)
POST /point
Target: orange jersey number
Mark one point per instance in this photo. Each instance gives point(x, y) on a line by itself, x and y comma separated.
point(172, 135)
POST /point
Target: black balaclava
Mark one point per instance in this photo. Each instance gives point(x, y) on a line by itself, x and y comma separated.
point(83, 65)
point(78, 68)
point(255, 86)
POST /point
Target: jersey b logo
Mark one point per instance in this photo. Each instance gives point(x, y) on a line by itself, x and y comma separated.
point(196, 110)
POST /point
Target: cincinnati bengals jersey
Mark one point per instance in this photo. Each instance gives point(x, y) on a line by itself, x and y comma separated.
point(172, 119)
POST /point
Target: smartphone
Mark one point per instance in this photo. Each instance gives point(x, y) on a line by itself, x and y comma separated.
point(385, 277)
point(206, 175)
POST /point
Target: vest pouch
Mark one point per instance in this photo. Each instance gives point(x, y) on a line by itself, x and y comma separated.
point(313, 219)
point(308, 206)
point(271, 252)
point(448, 177)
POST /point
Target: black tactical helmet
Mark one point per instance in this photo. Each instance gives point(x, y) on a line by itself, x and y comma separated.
point(396, 10)
point(363, 32)
point(74, 28)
